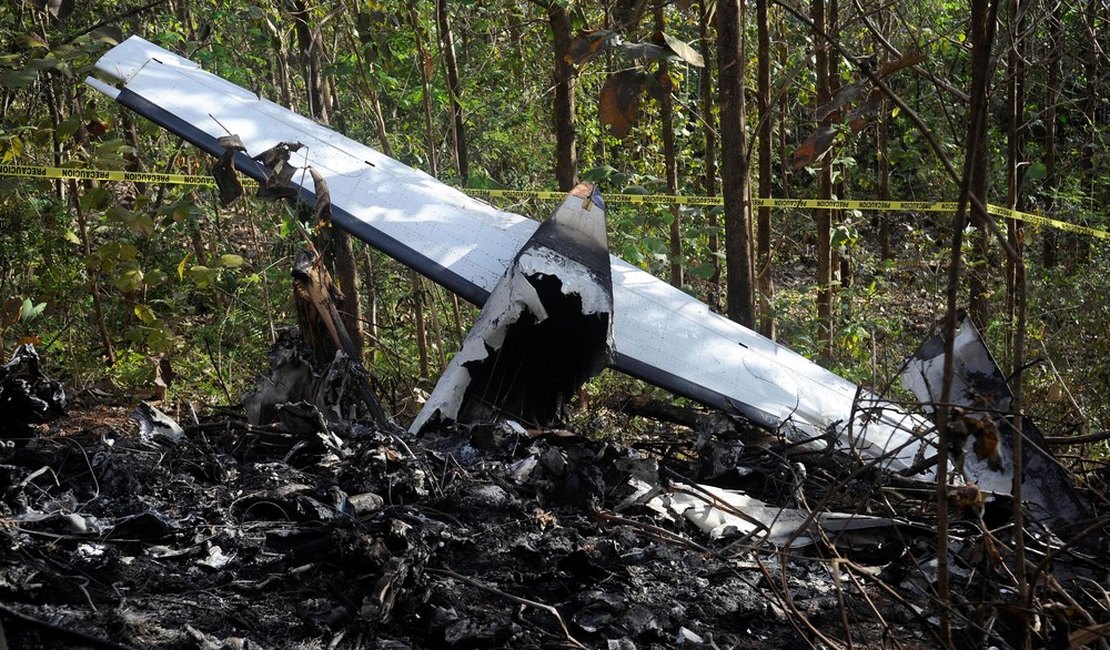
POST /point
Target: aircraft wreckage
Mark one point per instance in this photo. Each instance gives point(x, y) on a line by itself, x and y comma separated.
point(658, 333)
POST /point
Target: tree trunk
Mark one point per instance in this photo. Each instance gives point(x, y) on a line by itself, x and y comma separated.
point(710, 179)
point(566, 158)
point(734, 166)
point(980, 266)
point(666, 115)
point(1052, 91)
point(1087, 158)
point(824, 191)
point(841, 264)
point(1015, 171)
point(458, 132)
point(425, 73)
point(311, 54)
point(421, 327)
point(94, 286)
point(372, 320)
point(763, 255)
point(983, 16)
point(884, 179)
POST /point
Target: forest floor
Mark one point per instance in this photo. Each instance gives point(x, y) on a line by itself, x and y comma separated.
point(232, 536)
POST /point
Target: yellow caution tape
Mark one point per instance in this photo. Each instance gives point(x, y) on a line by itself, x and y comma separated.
point(80, 173)
point(831, 204)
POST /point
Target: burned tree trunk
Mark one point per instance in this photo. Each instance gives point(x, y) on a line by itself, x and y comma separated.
point(322, 328)
point(332, 242)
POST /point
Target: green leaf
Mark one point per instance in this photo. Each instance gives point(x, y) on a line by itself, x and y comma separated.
point(204, 276)
point(96, 198)
point(32, 312)
point(230, 261)
point(145, 314)
point(16, 79)
point(130, 280)
point(1036, 171)
point(598, 174)
point(704, 271)
point(67, 127)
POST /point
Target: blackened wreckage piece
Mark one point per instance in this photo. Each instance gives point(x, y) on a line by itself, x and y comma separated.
point(546, 328)
point(983, 428)
point(27, 396)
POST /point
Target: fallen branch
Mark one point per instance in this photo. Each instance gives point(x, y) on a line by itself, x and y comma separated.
point(1078, 440)
point(523, 601)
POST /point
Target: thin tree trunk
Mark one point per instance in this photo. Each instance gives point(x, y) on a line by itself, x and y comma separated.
point(425, 73)
point(310, 52)
point(437, 326)
point(983, 15)
point(883, 154)
point(458, 132)
point(1048, 253)
point(566, 157)
point(785, 172)
point(763, 254)
point(734, 166)
point(666, 115)
point(1015, 172)
point(824, 191)
point(841, 264)
point(1015, 280)
point(710, 178)
point(94, 286)
point(421, 328)
point(372, 321)
point(516, 29)
point(979, 269)
point(1088, 176)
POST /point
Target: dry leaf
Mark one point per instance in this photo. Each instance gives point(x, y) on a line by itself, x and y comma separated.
point(620, 101)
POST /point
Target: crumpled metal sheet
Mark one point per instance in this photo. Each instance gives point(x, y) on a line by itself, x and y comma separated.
point(713, 510)
point(979, 386)
point(546, 328)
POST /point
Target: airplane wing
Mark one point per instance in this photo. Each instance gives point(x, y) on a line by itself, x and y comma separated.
point(661, 335)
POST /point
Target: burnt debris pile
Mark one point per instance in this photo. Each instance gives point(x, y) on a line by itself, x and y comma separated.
point(151, 532)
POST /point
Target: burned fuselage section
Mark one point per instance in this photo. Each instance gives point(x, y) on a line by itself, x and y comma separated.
point(546, 328)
